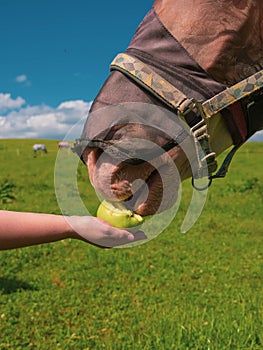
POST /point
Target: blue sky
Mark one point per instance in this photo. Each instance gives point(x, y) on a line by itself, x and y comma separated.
point(55, 56)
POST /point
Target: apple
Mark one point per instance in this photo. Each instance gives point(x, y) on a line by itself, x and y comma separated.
point(117, 215)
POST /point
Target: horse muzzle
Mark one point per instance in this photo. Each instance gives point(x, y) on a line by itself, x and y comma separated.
point(132, 154)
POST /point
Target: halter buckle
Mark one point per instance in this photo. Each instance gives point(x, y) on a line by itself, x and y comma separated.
point(206, 159)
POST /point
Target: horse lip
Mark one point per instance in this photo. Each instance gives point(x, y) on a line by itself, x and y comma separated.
point(131, 202)
point(123, 187)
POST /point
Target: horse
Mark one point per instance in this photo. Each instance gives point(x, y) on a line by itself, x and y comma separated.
point(64, 144)
point(39, 147)
point(199, 61)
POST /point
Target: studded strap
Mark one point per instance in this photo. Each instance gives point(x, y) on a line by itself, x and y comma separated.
point(173, 97)
point(151, 81)
point(233, 94)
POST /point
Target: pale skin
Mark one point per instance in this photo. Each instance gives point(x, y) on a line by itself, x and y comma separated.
point(20, 229)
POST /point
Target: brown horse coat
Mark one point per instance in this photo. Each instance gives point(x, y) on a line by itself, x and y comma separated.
point(198, 46)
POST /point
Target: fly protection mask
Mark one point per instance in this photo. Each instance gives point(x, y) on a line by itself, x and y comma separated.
point(157, 63)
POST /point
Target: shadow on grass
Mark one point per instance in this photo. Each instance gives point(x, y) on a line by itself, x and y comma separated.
point(12, 285)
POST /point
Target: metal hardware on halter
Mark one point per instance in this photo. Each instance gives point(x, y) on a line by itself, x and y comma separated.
point(205, 157)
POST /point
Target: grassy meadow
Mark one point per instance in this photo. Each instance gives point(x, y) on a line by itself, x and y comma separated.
point(199, 290)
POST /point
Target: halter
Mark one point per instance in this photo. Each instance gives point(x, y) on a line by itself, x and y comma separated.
point(228, 99)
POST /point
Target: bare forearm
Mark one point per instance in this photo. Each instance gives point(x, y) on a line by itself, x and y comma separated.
point(19, 229)
point(25, 229)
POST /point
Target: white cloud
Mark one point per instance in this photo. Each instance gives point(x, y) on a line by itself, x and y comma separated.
point(23, 121)
point(21, 78)
point(19, 120)
point(257, 137)
point(7, 102)
point(72, 111)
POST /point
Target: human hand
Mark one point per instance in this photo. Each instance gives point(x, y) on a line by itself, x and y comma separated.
point(99, 233)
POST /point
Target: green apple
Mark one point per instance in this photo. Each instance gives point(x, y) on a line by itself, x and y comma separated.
point(117, 215)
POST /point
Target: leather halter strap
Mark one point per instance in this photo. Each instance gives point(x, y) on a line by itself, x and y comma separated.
point(177, 100)
point(151, 81)
point(173, 97)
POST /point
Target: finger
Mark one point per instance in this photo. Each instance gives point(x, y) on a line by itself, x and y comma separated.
point(127, 237)
point(119, 238)
point(97, 245)
point(139, 236)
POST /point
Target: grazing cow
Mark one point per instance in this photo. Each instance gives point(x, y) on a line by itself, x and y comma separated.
point(199, 60)
point(39, 147)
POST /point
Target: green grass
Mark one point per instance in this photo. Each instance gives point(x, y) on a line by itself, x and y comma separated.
point(200, 290)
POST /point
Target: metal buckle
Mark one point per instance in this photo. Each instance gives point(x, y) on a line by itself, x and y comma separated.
point(188, 106)
point(205, 157)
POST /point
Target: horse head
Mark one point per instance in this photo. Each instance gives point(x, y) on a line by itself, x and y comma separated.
point(192, 50)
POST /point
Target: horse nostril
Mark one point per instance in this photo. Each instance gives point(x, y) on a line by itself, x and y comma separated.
point(121, 190)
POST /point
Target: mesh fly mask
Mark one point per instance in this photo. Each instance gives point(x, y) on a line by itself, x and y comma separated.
point(160, 71)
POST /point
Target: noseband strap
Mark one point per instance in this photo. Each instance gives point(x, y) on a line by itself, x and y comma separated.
point(151, 81)
point(142, 74)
